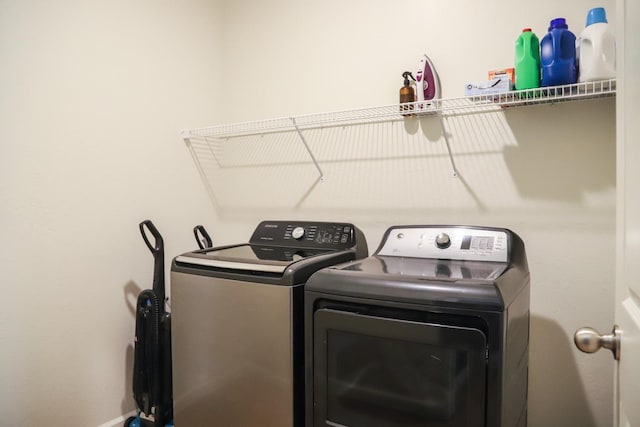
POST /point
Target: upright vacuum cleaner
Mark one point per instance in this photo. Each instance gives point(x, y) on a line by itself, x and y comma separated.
point(152, 383)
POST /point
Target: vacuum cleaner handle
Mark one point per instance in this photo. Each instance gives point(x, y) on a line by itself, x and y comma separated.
point(202, 237)
point(159, 243)
point(157, 250)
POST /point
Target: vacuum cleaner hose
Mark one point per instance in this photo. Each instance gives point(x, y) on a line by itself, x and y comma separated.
point(146, 387)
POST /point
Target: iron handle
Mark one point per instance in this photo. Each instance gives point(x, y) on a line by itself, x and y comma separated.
point(589, 340)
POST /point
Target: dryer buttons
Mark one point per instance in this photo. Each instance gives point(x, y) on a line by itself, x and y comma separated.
point(443, 241)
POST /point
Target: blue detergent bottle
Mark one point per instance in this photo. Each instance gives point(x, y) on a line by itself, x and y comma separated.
point(558, 55)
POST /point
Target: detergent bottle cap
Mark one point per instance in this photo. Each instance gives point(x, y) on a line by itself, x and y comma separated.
point(558, 23)
point(596, 15)
point(526, 30)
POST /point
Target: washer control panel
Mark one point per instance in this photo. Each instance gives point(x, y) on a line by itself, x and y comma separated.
point(306, 234)
point(447, 242)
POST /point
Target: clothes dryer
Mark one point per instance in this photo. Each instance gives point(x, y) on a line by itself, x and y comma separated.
point(432, 330)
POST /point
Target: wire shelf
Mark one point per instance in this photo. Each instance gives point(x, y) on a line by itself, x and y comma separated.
point(396, 112)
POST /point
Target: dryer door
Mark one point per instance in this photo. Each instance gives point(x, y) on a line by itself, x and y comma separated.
point(378, 372)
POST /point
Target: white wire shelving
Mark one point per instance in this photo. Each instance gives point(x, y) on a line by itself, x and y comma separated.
point(443, 108)
point(448, 106)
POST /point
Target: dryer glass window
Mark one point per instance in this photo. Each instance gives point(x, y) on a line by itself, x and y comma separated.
point(393, 381)
point(379, 372)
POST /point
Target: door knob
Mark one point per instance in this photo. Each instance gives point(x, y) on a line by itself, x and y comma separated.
point(589, 340)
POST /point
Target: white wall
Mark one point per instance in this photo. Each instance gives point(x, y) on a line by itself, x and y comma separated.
point(94, 95)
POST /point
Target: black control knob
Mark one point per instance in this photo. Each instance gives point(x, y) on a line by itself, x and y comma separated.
point(443, 241)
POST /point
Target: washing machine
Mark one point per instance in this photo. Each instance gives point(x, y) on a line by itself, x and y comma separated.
point(431, 330)
point(237, 323)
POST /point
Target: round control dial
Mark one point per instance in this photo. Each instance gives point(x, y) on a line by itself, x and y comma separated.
point(297, 233)
point(443, 241)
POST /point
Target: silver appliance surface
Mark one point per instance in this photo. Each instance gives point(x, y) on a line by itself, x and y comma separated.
point(236, 370)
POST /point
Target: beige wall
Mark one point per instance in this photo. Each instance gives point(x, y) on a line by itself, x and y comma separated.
point(94, 97)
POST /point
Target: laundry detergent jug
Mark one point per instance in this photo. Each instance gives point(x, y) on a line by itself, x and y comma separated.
point(558, 55)
point(596, 48)
point(527, 62)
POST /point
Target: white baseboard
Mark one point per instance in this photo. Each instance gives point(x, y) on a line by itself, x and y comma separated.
point(118, 422)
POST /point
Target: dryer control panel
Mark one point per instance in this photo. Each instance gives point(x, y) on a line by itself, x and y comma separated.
point(447, 242)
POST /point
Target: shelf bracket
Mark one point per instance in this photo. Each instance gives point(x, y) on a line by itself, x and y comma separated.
point(445, 133)
point(304, 141)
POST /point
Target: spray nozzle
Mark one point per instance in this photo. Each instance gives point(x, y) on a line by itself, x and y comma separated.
point(406, 76)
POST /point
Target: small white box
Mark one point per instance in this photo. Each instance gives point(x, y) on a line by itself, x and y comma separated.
point(497, 85)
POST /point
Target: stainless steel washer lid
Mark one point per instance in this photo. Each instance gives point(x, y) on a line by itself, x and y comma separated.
point(248, 257)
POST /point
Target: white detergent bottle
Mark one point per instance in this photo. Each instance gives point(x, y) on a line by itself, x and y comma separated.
point(596, 48)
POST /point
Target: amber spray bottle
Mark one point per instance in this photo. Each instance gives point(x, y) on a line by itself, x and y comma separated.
point(407, 94)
